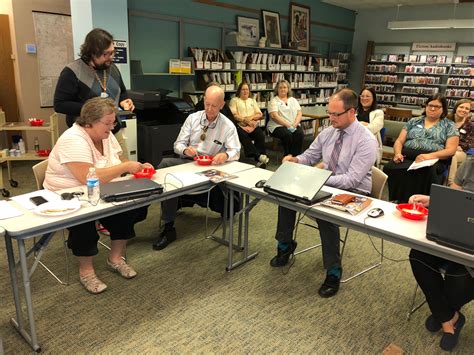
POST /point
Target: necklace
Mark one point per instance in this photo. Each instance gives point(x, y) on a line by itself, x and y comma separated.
point(103, 84)
point(205, 127)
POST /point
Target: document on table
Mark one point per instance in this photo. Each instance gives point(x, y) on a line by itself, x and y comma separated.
point(184, 179)
point(8, 211)
point(24, 200)
point(423, 164)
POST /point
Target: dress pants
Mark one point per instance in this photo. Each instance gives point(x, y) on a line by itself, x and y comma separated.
point(329, 233)
point(292, 142)
point(252, 149)
point(444, 295)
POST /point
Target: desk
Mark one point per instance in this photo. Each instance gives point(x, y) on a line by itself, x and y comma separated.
point(391, 226)
point(316, 113)
point(30, 225)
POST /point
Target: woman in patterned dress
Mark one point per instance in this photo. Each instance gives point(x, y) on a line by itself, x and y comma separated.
point(431, 136)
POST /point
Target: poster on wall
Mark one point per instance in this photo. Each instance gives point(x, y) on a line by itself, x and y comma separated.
point(249, 30)
point(300, 22)
point(53, 34)
point(271, 25)
point(120, 56)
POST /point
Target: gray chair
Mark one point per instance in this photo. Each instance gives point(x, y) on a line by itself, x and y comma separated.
point(379, 179)
point(39, 171)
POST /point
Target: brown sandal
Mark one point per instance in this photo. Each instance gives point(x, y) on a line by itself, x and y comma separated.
point(92, 283)
point(123, 269)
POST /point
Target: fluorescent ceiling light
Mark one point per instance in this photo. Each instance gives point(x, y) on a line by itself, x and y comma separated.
point(430, 24)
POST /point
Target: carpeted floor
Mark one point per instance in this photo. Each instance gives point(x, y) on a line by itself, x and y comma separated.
point(183, 300)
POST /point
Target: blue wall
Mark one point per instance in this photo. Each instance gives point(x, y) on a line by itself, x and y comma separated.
point(154, 41)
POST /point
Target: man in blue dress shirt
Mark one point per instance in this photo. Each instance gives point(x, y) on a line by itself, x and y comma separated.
point(349, 150)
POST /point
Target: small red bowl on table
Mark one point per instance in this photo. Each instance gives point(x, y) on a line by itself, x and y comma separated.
point(412, 210)
point(204, 159)
point(146, 173)
point(36, 121)
point(43, 152)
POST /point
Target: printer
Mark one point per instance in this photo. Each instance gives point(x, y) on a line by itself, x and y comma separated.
point(159, 120)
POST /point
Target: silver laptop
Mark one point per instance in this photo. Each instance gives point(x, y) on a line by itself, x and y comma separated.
point(124, 190)
point(298, 182)
point(451, 218)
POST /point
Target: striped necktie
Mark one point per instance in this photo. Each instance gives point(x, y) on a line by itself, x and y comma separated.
point(335, 152)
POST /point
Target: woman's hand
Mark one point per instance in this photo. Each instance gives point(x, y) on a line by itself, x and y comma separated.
point(423, 157)
point(398, 158)
point(133, 166)
point(423, 199)
point(459, 149)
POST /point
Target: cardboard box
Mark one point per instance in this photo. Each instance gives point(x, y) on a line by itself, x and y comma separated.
point(186, 67)
point(216, 65)
point(226, 66)
point(199, 64)
point(175, 66)
point(207, 65)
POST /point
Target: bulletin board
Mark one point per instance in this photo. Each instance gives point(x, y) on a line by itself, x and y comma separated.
point(55, 50)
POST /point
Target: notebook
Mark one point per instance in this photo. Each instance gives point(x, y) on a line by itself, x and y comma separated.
point(129, 189)
point(451, 218)
point(298, 182)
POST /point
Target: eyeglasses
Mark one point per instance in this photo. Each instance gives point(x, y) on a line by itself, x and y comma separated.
point(434, 107)
point(203, 133)
point(108, 53)
point(335, 114)
point(113, 124)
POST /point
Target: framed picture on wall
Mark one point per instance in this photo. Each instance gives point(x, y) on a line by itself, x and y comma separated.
point(271, 25)
point(300, 22)
point(249, 30)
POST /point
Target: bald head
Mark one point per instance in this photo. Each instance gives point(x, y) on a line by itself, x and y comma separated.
point(213, 101)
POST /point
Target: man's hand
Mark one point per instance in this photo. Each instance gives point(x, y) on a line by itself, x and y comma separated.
point(220, 158)
point(190, 152)
point(290, 158)
point(127, 105)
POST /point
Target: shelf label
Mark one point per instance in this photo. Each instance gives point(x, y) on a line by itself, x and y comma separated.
point(434, 47)
point(120, 56)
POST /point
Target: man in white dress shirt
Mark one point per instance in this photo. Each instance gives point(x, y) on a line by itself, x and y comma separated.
point(206, 132)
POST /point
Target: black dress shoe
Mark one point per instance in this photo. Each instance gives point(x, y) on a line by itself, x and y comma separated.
point(449, 341)
point(330, 286)
point(282, 257)
point(432, 324)
point(166, 236)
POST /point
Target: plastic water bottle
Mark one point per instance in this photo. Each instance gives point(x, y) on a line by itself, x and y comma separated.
point(93, 188)
point(21, 146)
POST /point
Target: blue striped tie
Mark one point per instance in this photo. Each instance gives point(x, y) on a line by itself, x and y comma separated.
point(335, 152)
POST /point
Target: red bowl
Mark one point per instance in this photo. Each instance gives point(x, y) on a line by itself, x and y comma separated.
point(43, 152)
point(36, 121)
point(146, 173)
point(204, 159)
point(412, 211)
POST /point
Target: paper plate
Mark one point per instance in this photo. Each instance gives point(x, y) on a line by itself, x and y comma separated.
point(57, 208)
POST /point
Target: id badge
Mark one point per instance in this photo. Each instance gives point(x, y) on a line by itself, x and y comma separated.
point(104, 95)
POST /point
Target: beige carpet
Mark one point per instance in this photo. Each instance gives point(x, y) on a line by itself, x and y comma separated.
point(183, 300)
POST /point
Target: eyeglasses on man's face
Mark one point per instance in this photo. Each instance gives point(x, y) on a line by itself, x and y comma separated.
point(108, 54)
point(336, 114)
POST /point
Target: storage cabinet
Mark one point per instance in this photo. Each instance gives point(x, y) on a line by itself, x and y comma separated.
point(50, 127)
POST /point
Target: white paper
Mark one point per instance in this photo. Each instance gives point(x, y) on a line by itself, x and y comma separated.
point(8, 211)
point(24, 200)
point(184, 178)
point(422, 164)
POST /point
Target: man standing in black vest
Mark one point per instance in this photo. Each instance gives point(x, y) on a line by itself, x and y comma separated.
point(93, 74)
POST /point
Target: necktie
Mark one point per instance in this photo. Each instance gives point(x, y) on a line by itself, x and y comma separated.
point(335, 152)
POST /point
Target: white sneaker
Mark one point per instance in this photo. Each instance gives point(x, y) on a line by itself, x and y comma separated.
point(263, 159)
